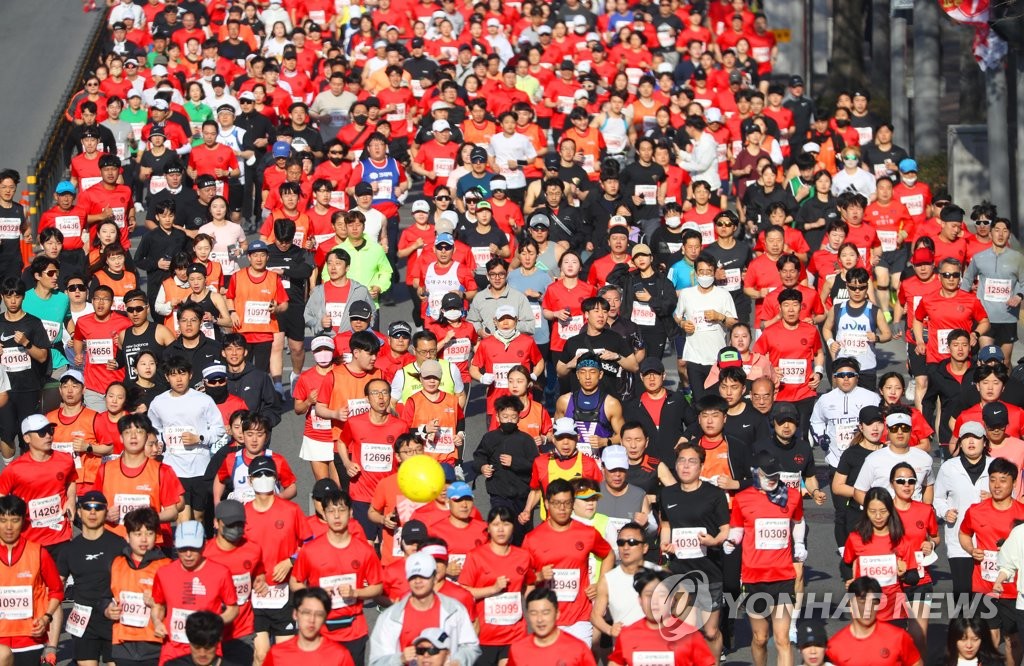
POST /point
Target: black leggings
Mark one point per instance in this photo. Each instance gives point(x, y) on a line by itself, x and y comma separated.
point(961, 569)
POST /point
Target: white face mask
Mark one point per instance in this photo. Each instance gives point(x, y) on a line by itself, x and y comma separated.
point(264, 485)
point(705, 281)
point(452, 315)
point(909, 182)
point(323, 357)
point(673, 222)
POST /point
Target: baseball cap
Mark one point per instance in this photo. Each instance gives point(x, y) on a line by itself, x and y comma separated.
point(483, 205)
point(262, 464)
point(785, 411)
point(641, 249)
point(420, 565)
point(506, 311)
point(420, 206)
point(230, 512)
point(107, 161)
point(544, 30)
point(65, 187)
point(459, 490)
point(281, 149)
point(360, 310)
point(414, 531)
point(247, 96)
point(995, 415)
point(810, 633)
point(451, 301)
point(322, 342)
point(363, 189)
point(615, 457)
point(225, 108)
point(907, 165)
point(870, 414)
point(206, 180)
point(90, 133)
point(444, 238)
point(736, 77)
point(440, 126)
point(189, 534)
point(71, 373)
point(991, 353)
point(440, 106)
point(588, 494)
point(416, 43)
point(845, 362)
point(796, 81)
point(894, 419)
point(650, 364)
point(196, 268)
point(435, 636)
point(157, 130)
point(729, 357)
point(399, 328)
point(565, 427)
point(215, 371)
point(446, 223)
point(713, 115)
point(478, 154)
point(257, 246)
point(430, 368)
point(766, 463)
point(158, 70)
point(499, 184)
point(552, 162)
point(35, 423)
point(971, 429)
point(618, 224)
point(92, 497)
point(811, 147)
point(321, 487)
point(922, 255)
point(217, 81)
point(493, 21)
point(540, 220)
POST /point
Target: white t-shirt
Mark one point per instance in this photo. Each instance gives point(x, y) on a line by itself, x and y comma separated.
point(515, 147)
point(703, 345)
point(861, 181)
point(226, 237)
point(878, 465)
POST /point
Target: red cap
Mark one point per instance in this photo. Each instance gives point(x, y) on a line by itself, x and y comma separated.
point(922, 255)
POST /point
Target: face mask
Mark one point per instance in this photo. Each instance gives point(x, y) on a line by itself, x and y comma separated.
point(336, 160)
point(218, 393)
point(842, 123)
point(264, 485)
point(323, 357)
point(705, 281)
point(359, 120)
point(233, 533)
point(505, 335)
point(509, 428)
point(673, 222)
point(909, 182)
point(453, 315)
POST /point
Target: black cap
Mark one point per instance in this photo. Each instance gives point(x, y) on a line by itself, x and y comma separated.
point(205, 180)
point(552, 161)
point(796, 81)
point(416, 43)
point(767, 463)
point(785, 411)
point(217, 81)
point(362, 189)
point(567, 64)
point(870, 414)
point(749, 126)
point(321, 487)
point(262, 464)
point(414, 531)
point(92, 497)
point(995, 415)
point(651, 364)
point(360, 310)
point(811, 633)
point(157, 130)
point(174, 167)
point(451, 301)
point(225, 107)
point(196, 268)
point(398, 328)
point(845, 362)
point(700, 74)
point(230, 512)
point(478, 153)
point(941, 194)
point(90, 133)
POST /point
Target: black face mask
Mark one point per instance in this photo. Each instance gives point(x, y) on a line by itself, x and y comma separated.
point(336, 160)
point(359, 120)
point(842, 123)
point(509, 428)
point(218, 393)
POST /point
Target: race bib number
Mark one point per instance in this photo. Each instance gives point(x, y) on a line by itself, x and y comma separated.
point(733, 279)
point(15, 359)
point(332, 583)
point(178, 618)
point(686, 542)
point(889, 240)
point(458, 350)
point(616, 143)
point(100, 351)
point(337, 201)
point(997, 291)
point(503, 610)
point(989, 566)
point(119, 216)
point(943, 340)
point(243, 587)
point(69, 225)
point(633, 75)
point(444, 442)
point(88, 183)
point(701, 323)
point(565, 104)
point(397, 115)
point(654, 658)
point(275, 597)
point(134, 611)
point(864, 135)
point(880, 567)
point(257, 312)
point(566, 584)
point(643, 315)
point(443, 166)
point(173, 438)
point(845, 433)
point(914, 203)
point(771, 533)
point(853, 343)
point(336, 312)
point(501, 374)
point(538, 315)
point(52, 329)
point(794, 370)
point(318, 16)
point(481, 255)
point(357, 406)
point(573, 326)
point(376, 457)
point(318, 423)
point(16, 602)
point(649, 193)
point(384, 188)
point(46, 512)
point(707, 233)
point(78, 620)
point(791, 479)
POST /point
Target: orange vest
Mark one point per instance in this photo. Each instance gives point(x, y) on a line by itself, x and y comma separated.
point(302, 229)
point(128, 586)
point(131, 492)
point(252, 300)
point(25, 595)
point(590, 145)
point(480, 136)
point(121, 287)
point(64, 434)
point(172, 292)
point(348, 392)
point(440, 446)
point(532, 421)
point(214, 275)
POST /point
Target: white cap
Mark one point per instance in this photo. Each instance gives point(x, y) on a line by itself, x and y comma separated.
point(247, 96)
point(420, 565)
point(580, 19)
point(494, 22)
point(506, 311)
point(617, 221)
point(580, 94)
point(71, 373)
point(159, 70)
point(498, 184)
point(898, 418)
point(440, 126)
point(161, 104)
point(713, 115)
point(971, 429)
point(209, 63)
point(565, 427)
point(322, 342)
point(451, 217)
point(215, 370)
point(439, 105)
point(811, 147)
point(592, 37)
point(615, 457)
point(420, 206)
point(544, 30)
point(189, 534)
point(691, 225)
point(665, 68)
point(34, 423)
point(134, 93)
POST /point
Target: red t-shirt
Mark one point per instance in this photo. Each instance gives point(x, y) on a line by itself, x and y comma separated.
point(864, 237)
point(889, 221)
point(372, 447)
point(918, 524)
point(414, 622)
point(460, 347)
point(389, 365)
point(44, 487)
point(280, 530)
point(989, 526)
point(206, 161)
point(566, 649)
point(762, 273)
point(540, 475)
point(942, 315)
point(118, 198)
point(567, 551)
point(181, 592)
point(322, 564)
point(442, 160)
point(912, 291)
point(681, 644)
point(792, 352)
point(461, 540)
point(71, 223)
point(767, 534)
point(915, 199)
point(501, 616)
point(878, 559)
point(558, 297)
point(100, 346)
point(494, 356)
point(244, 563)
point(289, 653)
point(315, 427)
point(973, 413)
point(888, 645)
point(810, 306)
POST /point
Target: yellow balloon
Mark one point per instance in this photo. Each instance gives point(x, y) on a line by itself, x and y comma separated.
point(421, 478)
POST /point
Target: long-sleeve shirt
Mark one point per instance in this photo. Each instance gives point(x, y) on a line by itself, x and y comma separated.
point(512, 482)
point(702, 163)
point(1000, 277)
point(837, 415)
point(193, 412)
point(370, 265)
point(485, 305)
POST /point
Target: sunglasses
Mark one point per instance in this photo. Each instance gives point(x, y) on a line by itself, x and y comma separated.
point(950, 276)
point(136, 309)
point(900, 427)
point(905, 481)
point(49, 430)
point(444, 247)
point(846, 375)
point(50, 273)
point(264, 474)
point(850, 158)
point(724, 224)
point(628, 542)
point(424, 651)
point(76, 287)
point(246, 101)
point(401, 336)
point(93, 506)
point(442, 197)
point(857, 287)
point(983, 223)
point(217, 382)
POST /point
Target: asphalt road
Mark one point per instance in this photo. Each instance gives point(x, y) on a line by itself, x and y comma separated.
point(40, 43)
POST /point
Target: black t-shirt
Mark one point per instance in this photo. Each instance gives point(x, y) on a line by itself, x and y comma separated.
point(738, 257)
point(13, 220)
point(705, 507)
point(850, 464)
point(796, 458)
point(88, 562)
point(606, 339)
point(190, 212)
point(24, 372)
point(471, 235)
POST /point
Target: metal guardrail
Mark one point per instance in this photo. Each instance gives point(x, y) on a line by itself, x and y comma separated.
point(47, 168)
